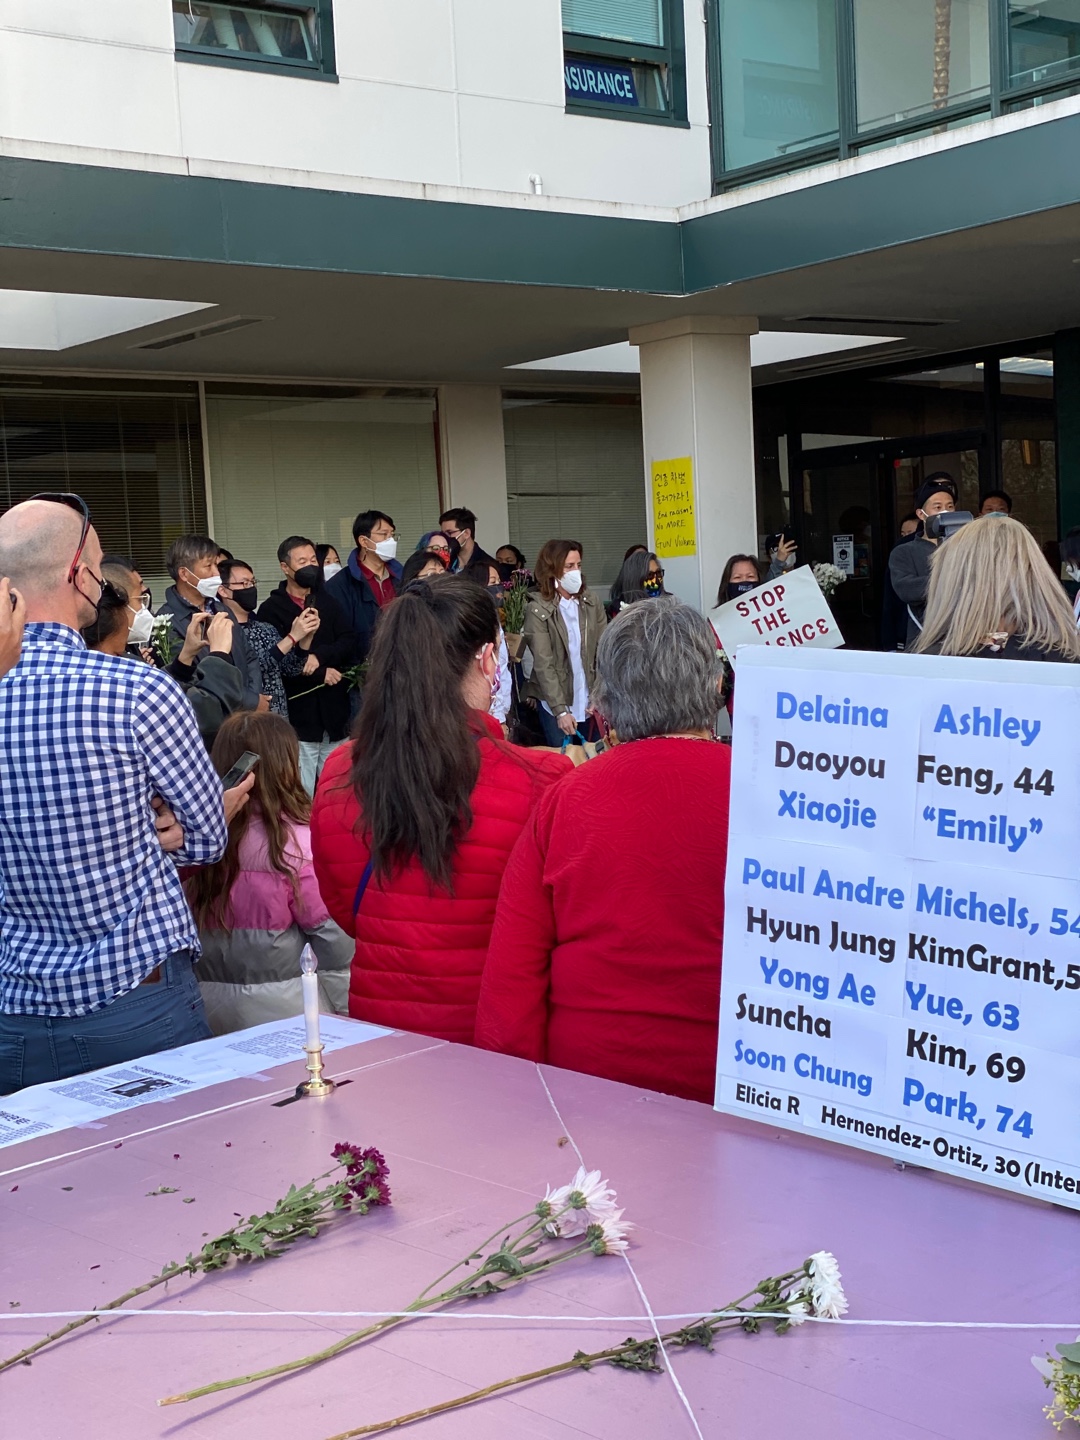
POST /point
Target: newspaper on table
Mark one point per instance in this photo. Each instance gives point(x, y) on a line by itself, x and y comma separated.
point(83, 1099)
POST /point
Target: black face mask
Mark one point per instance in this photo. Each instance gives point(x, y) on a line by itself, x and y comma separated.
point(740, 587)
point(307, 577)
point(109, 599)
point(247, 598)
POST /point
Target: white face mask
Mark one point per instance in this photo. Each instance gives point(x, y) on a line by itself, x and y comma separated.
point(572, 581)
point(209, 586)
point(142, 627)
point(329, 571)
point(386, 549)
point(1073, 572)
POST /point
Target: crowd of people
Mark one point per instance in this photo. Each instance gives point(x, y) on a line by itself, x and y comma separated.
point(449, 881)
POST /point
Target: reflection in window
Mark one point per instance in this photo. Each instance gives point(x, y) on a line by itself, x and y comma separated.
point(244, 30)
point(640, 22)
point(778, 77)
point(913, 57)
point(1044, 40)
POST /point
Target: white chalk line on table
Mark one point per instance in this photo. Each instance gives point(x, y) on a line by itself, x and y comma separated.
point(472, 1316)
point(266, 1095)
point(652, 1319)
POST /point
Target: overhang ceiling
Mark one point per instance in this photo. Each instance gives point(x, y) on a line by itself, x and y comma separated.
point(974, 246)
point(994, 285)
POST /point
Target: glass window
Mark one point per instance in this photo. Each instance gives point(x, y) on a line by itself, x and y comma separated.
point(135, 458)
point(622, 59)
point(1044, 40)
point(1028, 451)
point(778, 78)
point(639, 22)
point(575, 468)
point(305, 464)
point(913, 57)
point(592, 80)
point(260, 32)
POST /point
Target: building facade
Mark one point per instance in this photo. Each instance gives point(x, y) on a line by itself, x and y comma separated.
point(265, 265)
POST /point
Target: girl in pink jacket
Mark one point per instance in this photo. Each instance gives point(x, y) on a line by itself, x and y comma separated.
point(260, 904)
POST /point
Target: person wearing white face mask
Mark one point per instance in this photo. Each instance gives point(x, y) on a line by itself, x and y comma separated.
point(371, 579)
point(125, 624)
point(192, 562)
point(120, 619)
point(562, 627)
point(329, 560)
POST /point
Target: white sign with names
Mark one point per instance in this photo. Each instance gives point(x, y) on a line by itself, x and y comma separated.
point(901, 964)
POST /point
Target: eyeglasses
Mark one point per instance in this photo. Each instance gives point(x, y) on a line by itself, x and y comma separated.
point(79, 505)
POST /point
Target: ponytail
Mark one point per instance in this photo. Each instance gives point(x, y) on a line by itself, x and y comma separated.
point(415, 761)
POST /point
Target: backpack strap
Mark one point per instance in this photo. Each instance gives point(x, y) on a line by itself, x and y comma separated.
point(361, 887)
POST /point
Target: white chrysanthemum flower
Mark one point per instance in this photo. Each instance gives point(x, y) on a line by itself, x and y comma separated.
point(609, 1235)
point(827, 1296)
point(798, 1310)
point(586, 1200)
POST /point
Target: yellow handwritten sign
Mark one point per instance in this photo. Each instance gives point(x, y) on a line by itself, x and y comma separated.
point(674, 522)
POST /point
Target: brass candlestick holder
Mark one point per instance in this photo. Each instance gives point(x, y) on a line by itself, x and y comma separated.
point(319, 1084)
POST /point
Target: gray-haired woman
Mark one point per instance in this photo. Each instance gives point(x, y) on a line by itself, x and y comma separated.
point(605, 953)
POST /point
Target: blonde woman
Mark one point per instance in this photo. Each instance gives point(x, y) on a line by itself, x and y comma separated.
point(992, 594)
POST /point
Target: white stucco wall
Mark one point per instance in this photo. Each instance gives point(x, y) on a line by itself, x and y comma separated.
point(453, 93)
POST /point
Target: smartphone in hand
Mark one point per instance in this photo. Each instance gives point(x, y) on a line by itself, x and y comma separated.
point(243, 767)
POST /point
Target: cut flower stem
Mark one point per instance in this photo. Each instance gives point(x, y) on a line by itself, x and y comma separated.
point(633, 1354)
point(584, 1211)
point(298, 1213)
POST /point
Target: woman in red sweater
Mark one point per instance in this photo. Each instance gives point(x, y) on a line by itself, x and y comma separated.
point(414, 821)
point(605, 955)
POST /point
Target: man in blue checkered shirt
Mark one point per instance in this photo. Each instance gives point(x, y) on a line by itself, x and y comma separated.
point(101, 772)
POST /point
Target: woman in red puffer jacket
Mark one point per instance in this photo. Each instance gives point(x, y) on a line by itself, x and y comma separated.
point(413, 823)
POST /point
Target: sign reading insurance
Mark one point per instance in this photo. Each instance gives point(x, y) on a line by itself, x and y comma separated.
point(901, 964)
point(599, 82)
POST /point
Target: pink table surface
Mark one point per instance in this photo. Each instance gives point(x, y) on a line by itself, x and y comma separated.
point(472, 1139)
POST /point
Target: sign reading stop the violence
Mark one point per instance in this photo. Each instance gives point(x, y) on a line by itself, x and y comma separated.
point(790, 612)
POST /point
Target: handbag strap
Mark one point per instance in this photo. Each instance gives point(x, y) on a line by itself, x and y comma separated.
point(358, 897)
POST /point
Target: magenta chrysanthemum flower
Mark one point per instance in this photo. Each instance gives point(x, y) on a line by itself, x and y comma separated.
point(348, 1155)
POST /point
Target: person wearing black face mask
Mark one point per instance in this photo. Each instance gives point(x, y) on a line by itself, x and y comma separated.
point(277, 655)
point(741, 573)
point(318, 697)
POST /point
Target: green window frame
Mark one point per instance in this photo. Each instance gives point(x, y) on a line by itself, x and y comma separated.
point(316, 16)
point(659, 68)
point(1005, 95)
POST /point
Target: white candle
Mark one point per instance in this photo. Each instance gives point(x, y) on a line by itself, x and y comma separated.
point(309, 979)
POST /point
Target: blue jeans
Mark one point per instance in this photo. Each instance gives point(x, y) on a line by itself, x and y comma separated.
point(313, 756)
point(152, 1017)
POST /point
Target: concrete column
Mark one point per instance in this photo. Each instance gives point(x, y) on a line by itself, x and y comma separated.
point(696, 401)
point(474, 458)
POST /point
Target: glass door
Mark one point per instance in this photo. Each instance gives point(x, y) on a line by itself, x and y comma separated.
point(840, 526)
point(851, 503)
